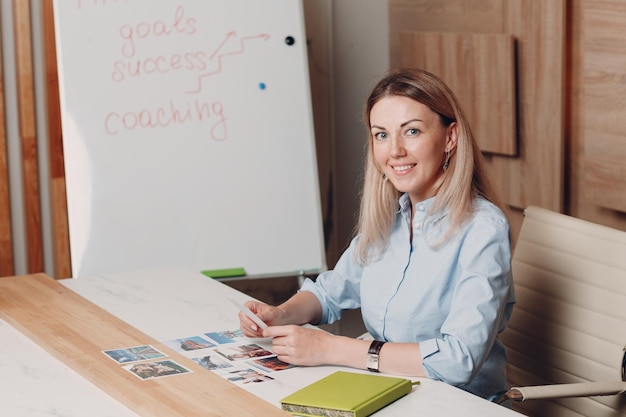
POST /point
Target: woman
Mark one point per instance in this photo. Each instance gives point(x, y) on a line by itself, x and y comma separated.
point(430, 264)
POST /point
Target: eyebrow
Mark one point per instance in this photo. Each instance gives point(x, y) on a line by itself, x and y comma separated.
point(402, 125)
point(411, 121)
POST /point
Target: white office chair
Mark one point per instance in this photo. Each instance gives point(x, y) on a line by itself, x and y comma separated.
point(568, 331)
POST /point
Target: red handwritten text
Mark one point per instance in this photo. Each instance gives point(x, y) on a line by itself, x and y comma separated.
point(171, 114)
point(157, 28)
point(190, 61)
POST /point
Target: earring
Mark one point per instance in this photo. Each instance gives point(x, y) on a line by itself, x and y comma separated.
point(446, 164)
point(385, 179)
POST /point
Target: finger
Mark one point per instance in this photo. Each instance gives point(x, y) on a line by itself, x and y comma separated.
point(279, 342)
point(250, 328)
point(252, 305)
point(286, 359)
point(277, 331)
point(259, 310)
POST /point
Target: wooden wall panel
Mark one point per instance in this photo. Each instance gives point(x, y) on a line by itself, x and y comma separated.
point(28, 135)
point(461, 16)
point(6, 237)
point(480, 69)
point(580, 203)
point(58, 204)
point(605, 103)
point(536, 175)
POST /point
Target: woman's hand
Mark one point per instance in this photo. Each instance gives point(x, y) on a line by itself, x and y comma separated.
point(267, 313)
point(301, 345)
point(303, 307)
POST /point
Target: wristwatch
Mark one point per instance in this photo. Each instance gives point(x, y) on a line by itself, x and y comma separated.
point(373, 355)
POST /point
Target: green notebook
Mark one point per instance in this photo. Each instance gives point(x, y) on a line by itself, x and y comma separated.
point(346, 394)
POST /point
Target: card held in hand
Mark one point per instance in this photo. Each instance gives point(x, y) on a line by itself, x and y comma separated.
point(346, 394)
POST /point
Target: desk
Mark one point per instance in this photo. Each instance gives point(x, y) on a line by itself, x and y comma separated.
point(170, 304)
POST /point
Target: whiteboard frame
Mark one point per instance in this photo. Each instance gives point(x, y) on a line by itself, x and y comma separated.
point(85, 197)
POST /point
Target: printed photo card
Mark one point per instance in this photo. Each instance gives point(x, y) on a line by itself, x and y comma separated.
point(134, 354)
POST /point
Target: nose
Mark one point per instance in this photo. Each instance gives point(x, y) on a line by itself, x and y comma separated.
point(397, 147)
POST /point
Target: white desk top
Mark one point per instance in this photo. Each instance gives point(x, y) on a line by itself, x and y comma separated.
point(166, 305)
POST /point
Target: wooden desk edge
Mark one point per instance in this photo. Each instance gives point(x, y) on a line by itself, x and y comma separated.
point(61, 322)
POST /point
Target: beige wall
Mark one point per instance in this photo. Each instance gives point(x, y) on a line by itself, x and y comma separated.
point(348, 49)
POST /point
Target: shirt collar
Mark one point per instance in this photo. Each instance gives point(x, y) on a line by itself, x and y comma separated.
point(421, 209)
point(405, 204)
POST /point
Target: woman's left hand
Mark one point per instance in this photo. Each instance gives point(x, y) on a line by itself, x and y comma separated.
point(299, 345)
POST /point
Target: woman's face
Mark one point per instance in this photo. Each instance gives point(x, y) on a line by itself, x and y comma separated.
point(409, 144)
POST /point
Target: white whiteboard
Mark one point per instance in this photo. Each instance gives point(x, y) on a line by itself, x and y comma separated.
point(188, 136)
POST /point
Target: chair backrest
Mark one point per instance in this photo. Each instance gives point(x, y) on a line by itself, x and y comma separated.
point(569, 323)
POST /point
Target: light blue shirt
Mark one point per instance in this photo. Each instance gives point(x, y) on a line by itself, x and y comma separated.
point(453, 299)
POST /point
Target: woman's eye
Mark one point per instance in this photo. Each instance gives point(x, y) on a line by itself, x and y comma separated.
point(380, 136)
point(412, 132)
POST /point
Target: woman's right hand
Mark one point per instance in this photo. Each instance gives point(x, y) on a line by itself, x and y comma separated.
point(267, 313)
point(302, 307)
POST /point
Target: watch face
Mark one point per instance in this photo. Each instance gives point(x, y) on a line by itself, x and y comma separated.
point(373, 355)
point(372, 362)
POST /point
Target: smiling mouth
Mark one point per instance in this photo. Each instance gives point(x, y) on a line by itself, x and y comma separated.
point(402, 168)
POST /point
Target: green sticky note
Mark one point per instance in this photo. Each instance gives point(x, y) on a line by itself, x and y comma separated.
point(225, 273)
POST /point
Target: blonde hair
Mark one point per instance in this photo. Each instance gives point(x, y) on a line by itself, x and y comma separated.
point(457, 187)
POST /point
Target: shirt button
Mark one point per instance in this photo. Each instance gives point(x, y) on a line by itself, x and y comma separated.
point(420, 207)
point(417, 226)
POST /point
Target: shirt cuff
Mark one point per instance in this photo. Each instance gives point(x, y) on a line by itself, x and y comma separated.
point(310, 286)
point(428, 347)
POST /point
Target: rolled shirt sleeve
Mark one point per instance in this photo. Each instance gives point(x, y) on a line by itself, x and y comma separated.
point(339, 289)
